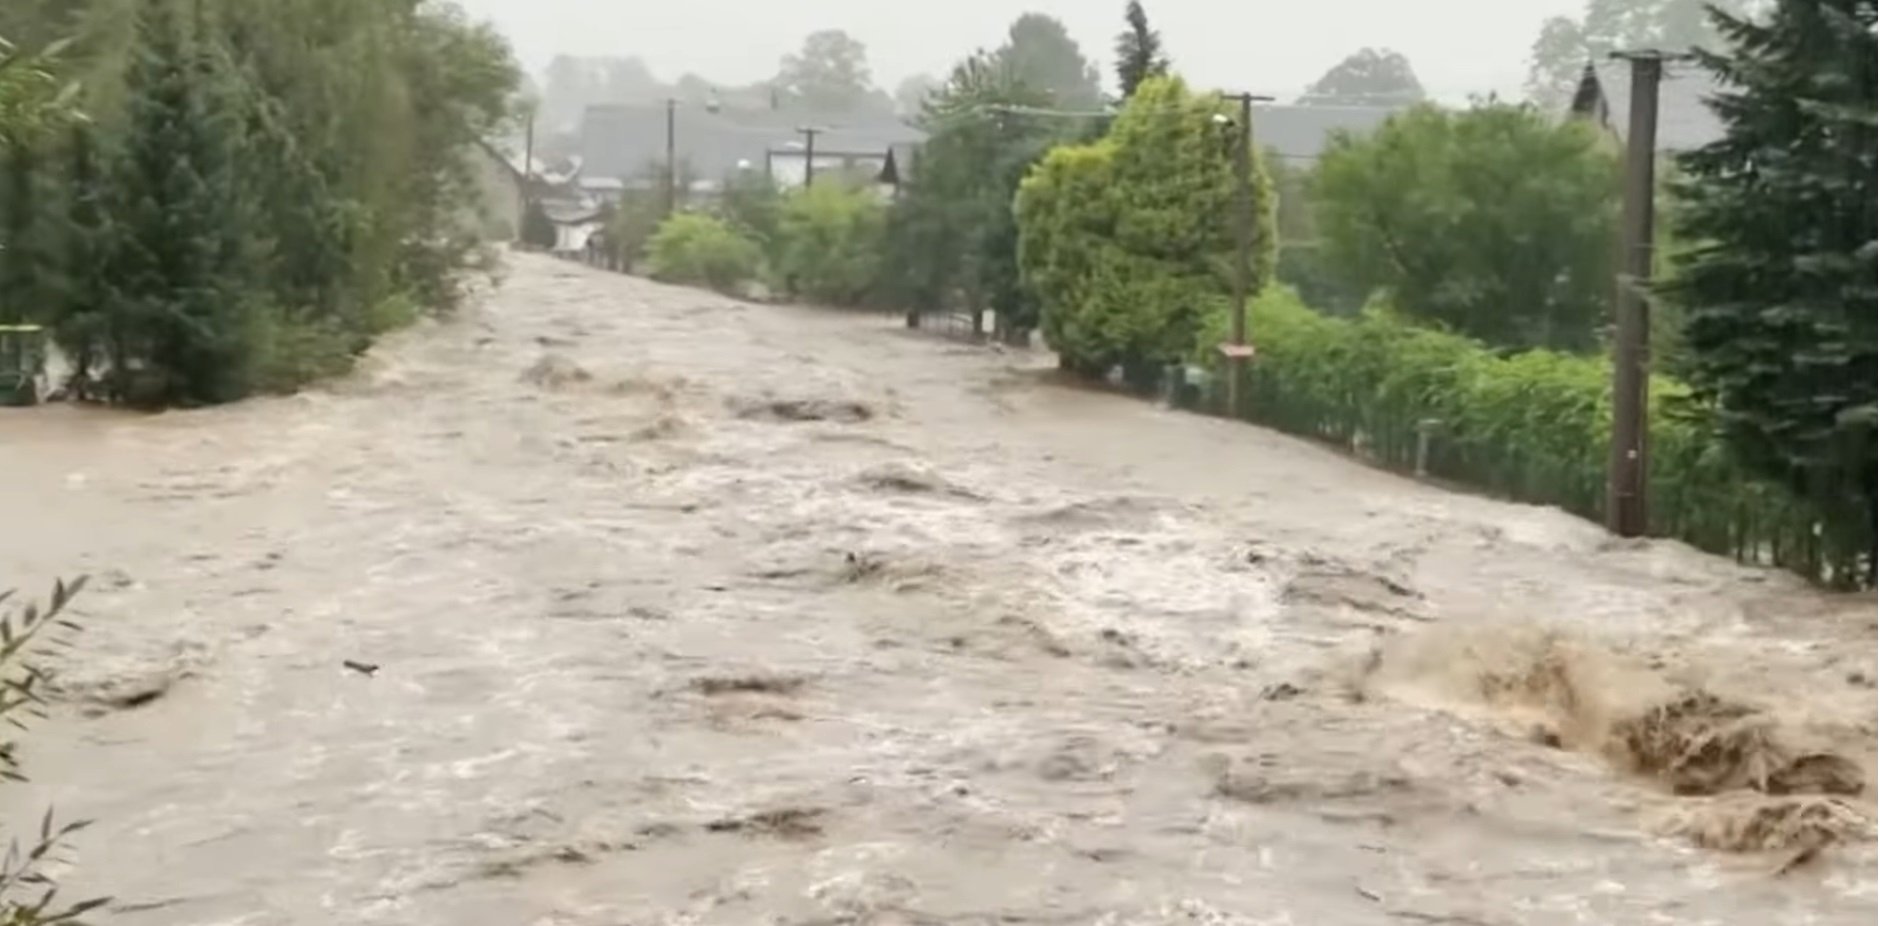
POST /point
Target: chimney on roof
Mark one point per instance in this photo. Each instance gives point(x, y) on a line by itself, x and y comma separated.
point(1589, 99)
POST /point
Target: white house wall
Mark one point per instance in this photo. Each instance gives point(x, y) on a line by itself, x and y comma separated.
point(787, 169)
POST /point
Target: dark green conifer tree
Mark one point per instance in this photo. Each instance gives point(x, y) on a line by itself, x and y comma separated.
point(181, 316)
point(1779, 289)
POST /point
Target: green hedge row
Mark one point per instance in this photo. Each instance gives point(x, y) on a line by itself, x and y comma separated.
point(1531, 426)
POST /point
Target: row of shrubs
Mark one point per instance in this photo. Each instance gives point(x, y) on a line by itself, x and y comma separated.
point(1532, 426)
point(820, 244)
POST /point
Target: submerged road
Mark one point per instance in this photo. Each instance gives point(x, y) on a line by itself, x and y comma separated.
point(689, 611)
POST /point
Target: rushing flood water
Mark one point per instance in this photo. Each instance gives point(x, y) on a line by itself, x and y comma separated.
point(690, 611)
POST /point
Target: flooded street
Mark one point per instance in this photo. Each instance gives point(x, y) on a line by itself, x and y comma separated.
point(691, 611)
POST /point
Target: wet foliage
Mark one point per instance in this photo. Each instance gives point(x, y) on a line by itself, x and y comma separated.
point(699, 249)
point(232, 190)
point(1495, 221)
point(28, 896)
point(951, 236)
point(1778, 289)
point(827, 247)
point(1124, 240)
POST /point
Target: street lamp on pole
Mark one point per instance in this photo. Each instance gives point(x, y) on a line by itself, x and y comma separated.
point(1237, 350)
point(712, 105)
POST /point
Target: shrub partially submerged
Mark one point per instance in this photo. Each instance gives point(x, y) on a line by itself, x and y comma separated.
point(701, 250)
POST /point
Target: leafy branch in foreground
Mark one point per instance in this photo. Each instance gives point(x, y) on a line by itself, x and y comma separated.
point(22, 871)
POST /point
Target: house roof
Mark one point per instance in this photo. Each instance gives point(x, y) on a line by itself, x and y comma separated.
point(622, 140)
point(1684, 121)
point(513, 164)
point(1301, 133)
point(563, 212)
point(539, 169)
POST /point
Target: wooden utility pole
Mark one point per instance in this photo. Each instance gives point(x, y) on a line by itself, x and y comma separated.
point(1628, 469)
point(672, 166)
point(1237, 350)
point(809, 154)
point(528, 169)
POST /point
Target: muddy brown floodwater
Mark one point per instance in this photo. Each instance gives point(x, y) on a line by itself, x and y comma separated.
point(692, 611)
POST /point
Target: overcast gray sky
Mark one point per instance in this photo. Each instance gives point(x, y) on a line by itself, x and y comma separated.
point(1458, 47)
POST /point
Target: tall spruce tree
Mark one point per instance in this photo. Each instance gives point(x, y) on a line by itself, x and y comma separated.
point(1138, 51)
point(21, 248)
point(31, 110)
point(80, 322)
point(180, 318)
point(1780, 293)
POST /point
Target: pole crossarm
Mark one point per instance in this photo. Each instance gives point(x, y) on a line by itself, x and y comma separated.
point(809, 134)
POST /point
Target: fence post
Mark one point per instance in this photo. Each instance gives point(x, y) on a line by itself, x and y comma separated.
point(1425, 428)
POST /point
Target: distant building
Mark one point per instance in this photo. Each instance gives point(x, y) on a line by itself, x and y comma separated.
point(577, 205)
point(499, 181)
point(575, 225)
point(603, 189)
point(865, 159)
point(629, 140)
point(1301, 133)
point(1685, 121)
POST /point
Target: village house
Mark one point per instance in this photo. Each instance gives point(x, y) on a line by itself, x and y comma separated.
point(1685, 121)
point(867, 157)
point(628, 141)
point(507, 185)
point(499, 203)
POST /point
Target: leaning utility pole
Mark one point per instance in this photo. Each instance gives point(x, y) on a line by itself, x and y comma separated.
point(809, 134)
point(672, 169)
point(1237, 350)
point(1628, 471)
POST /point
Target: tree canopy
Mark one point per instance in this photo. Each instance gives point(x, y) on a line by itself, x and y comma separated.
point(1139, 54)
point(571, 84)
point(911, 94)
point(1564, 45)
point(1367, 77)
point(830, 74)
point(1041, 55)
point(1778, 289)
point(950, 236)
point(1128, 241)
point(1497, 221)
point(259, 188)
point(31, 97)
